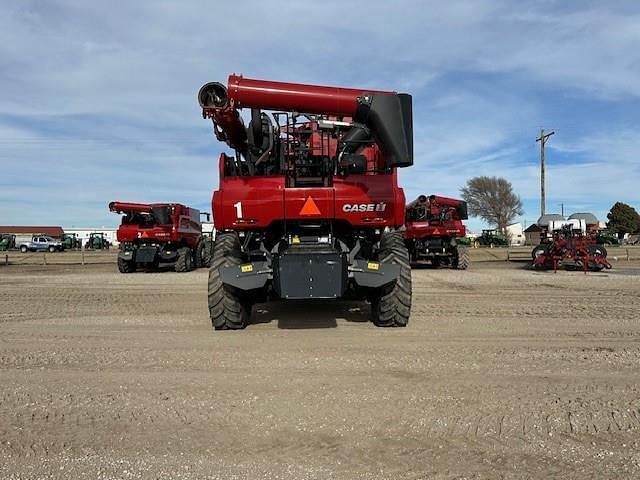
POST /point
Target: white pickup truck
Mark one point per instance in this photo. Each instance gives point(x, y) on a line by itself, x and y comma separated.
point(38, 242)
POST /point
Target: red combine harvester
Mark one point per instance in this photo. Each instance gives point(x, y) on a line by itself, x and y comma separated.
point(433, 225)
point(309, 205)
point(156, 233)
point(570, 244)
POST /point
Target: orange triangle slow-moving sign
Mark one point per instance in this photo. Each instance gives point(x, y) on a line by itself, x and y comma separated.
point(309, 207)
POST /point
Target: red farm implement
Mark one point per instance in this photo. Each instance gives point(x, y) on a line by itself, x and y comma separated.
point(571, 245)
point(309, 205)
point(156, 233)
point(433, 227)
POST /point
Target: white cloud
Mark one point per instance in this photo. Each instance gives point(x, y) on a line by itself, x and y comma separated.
point(110, 90)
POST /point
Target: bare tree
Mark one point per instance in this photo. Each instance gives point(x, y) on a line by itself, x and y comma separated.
point(493, 200)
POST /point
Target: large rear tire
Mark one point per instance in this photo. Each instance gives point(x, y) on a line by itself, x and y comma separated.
point(227, 309)
point(391, 305)
point(461, 259)
point(184, 263)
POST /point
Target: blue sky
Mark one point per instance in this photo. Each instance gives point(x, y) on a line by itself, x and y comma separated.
point(98, 101)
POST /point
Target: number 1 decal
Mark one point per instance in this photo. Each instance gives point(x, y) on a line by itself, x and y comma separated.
point(238, 207)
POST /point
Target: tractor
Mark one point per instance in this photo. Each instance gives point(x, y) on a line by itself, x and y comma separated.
point(7, 241)
point(605, 238)
point(70, 241)
point(97, 241)
point(490, 238)
point(433, 231)
point(156, 233)
point(309, 206)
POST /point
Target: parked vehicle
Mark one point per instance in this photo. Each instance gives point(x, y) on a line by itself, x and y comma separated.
point(572, 246)
point(70, 241)
point(156, 233)
point(38, 243)
point(7, 241)
point(490, 238)
point(309, 207)
point(97, 241)
point(605, 238)
point(433, 227)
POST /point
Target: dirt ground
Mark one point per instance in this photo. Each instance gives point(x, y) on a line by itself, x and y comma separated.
point(502, 373)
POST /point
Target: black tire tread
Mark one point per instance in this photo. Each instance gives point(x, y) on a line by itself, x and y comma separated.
point(184, 263)
point(207, 252)
point(198, 261)
point(126, 266)
point(392, 306)
point(226, 308)
point(462, 260)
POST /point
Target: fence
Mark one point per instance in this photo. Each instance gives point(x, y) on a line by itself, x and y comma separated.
point(80, 257)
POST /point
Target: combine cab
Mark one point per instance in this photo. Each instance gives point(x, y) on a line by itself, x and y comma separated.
point(569, 244)
point(309, 206)
point(156, 233)
point(433, 227)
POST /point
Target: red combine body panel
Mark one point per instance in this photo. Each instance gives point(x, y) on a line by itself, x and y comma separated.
point(309, 205)
point(433, 227)
point(156, 233)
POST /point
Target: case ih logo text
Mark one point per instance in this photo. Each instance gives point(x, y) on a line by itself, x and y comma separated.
point(364, 207)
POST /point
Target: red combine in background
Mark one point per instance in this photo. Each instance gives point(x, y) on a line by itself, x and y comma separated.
point(309, 205)
point(156, 233)
point(432, 229)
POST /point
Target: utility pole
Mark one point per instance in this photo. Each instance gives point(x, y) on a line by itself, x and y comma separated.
point(543, 139)
point(562, 209)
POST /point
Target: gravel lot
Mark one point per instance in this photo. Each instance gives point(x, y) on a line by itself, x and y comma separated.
point(502, 373)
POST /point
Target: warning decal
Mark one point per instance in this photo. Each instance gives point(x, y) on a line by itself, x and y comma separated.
point(309, 207)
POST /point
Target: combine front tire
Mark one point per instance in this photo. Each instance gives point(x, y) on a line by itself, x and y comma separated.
point(227, 309)
point(184, 263)
point(461, 259)
point(126, 266)
point(207, 252)
point(198, 254)
point(391, 306)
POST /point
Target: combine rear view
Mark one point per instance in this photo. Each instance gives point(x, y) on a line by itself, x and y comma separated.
point(156, 233)
point(309, 205)
point(433, 227)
